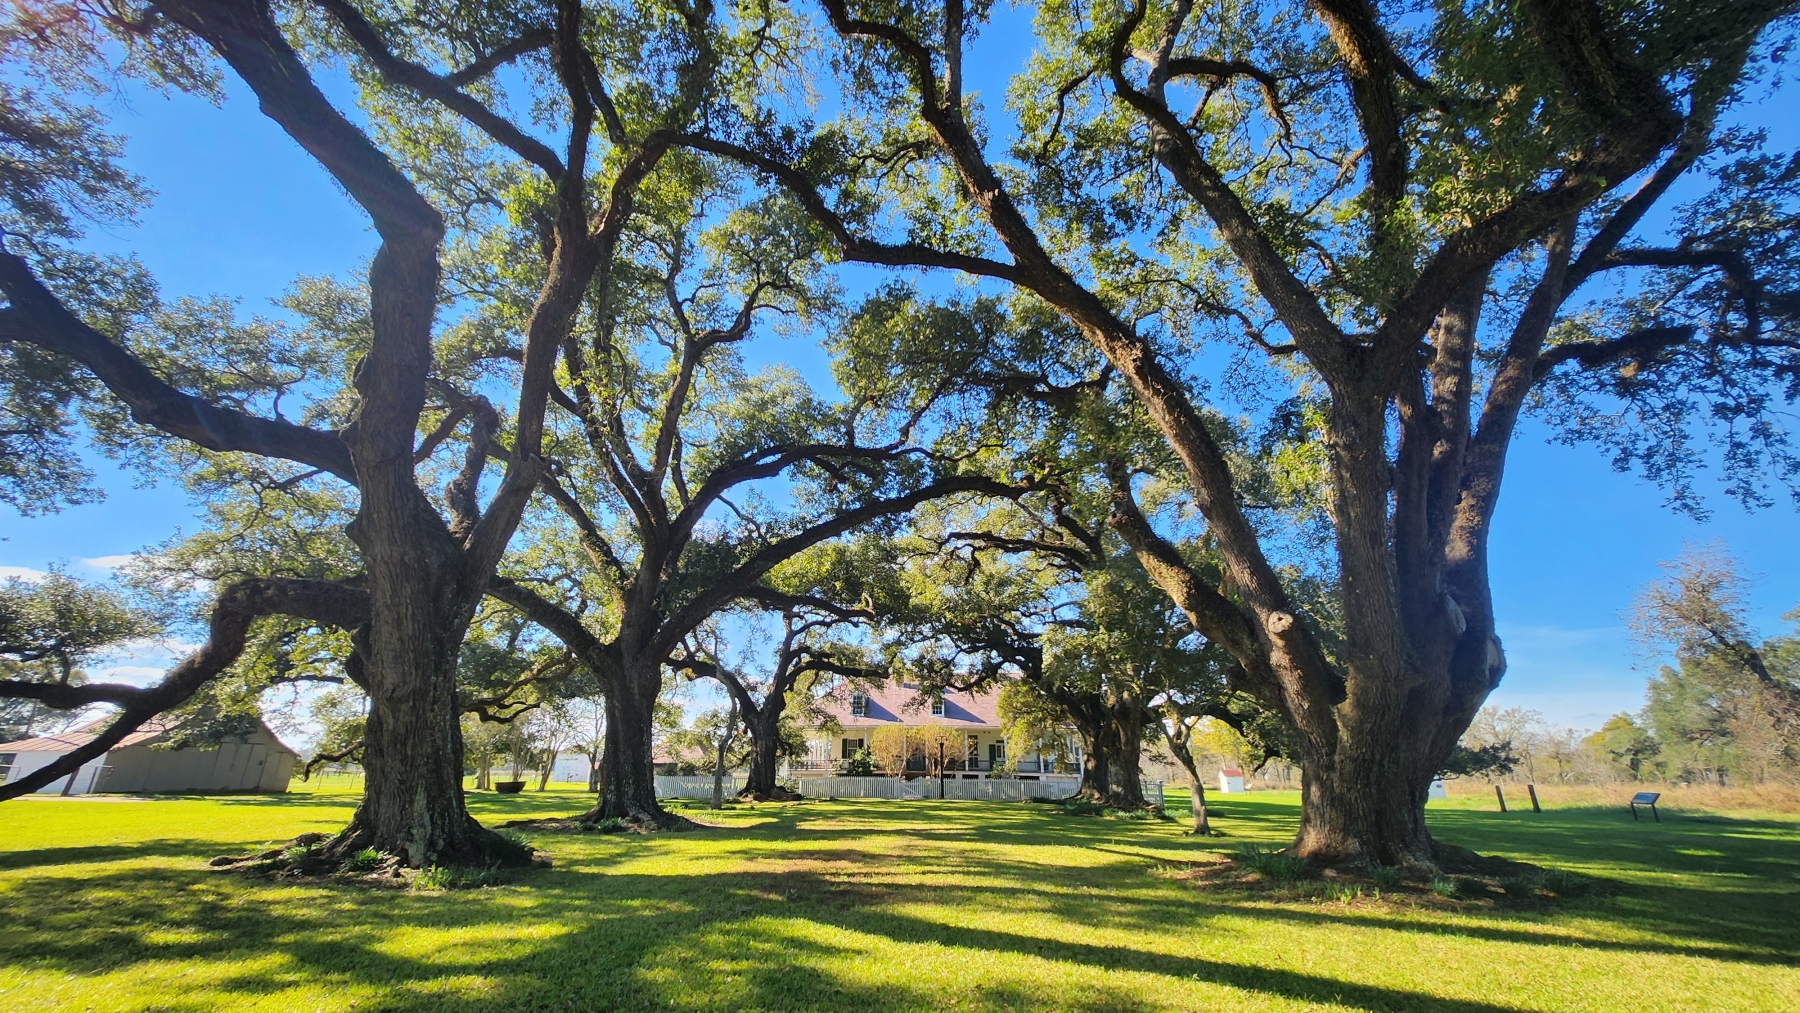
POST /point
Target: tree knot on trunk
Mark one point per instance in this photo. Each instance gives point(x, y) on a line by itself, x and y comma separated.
point(1454, 612)
point(1278, 623)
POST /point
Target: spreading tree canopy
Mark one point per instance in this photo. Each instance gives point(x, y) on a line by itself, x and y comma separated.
point(1391, 225)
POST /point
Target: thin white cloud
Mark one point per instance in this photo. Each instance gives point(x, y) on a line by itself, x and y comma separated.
point(1574, 676)
point(137, 675)
point(24, 573)
point(107, 562)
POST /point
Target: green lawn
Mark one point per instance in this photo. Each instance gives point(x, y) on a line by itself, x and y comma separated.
point(874, 905)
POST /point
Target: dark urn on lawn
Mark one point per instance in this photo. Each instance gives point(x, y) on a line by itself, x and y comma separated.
point(509, 787)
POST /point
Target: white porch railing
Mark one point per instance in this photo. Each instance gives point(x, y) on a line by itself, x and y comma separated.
point(1003, 789)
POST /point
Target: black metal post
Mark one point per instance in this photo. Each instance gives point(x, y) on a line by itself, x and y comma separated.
point(940, 771)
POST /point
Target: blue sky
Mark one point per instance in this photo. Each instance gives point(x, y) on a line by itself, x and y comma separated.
point(240, 210)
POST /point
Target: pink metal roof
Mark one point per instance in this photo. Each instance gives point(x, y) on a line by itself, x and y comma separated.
point(891, 704)
point(74, 738)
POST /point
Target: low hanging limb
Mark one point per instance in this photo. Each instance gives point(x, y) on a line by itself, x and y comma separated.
point(320, 759)
point(236, 608)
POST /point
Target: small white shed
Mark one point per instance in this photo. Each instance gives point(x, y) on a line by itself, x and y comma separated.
point(1437, 789)
point(255, 762)
point(1231, 781)
point(570, 767)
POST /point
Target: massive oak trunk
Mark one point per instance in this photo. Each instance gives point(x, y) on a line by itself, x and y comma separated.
point(412, 802)
point(1126, 717)
point(764, 726)
point(628, 791)
point(1125, 782)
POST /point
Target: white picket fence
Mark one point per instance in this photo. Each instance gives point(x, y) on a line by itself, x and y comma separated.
point(985, 789)
point(695, 787)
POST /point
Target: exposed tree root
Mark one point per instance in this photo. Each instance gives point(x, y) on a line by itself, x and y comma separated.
point(778, 795)
point(1102, 804)
point(1454, 859)
point(350, 856)
point(588, 824)
point(1484, 882)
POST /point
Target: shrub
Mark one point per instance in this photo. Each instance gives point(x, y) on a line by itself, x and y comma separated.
point(1520, 887)
point(363, 861)
point(1467, 887)
point(1386, 877)
point(459, 877)
point(1562, 883)
point(1444, 886)
point(1274, 866)
point(505, 847)
point(860, 764)
point(612, 825)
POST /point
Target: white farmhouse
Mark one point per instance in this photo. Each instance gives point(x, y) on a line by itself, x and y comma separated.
point(256, 762)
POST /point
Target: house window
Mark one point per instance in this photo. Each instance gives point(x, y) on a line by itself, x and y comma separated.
point(972, 750)
point(6, 765)
point(859, 705)
point(937, 707)
point(852, 747)
point(996, 753)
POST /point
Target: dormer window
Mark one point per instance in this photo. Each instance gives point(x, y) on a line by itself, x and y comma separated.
point(859, 705)
point(937, 707)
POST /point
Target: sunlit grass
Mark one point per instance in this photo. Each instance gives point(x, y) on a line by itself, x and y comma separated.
point(880, 905)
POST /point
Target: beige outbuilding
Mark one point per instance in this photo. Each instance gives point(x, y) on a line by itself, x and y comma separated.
point(256, 762)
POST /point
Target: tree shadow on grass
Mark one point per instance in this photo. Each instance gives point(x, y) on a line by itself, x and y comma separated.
point(800, 920)
point(697, 942)
point(33, 858)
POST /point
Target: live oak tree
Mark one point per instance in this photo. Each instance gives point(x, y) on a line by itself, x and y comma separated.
point(1042, 588)
point(824, 601)
point(1329, 191)
point(444, 154)
point(1065, 613)
point(663, 504)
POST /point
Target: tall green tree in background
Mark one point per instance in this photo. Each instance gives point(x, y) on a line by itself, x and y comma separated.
point(1383, 220)
point(1730, 706)
point(49, 629)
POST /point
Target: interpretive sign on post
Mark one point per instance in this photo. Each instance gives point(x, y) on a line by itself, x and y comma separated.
point(1646, 798)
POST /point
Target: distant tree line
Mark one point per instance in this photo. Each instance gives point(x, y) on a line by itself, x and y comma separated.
point(1727, 712)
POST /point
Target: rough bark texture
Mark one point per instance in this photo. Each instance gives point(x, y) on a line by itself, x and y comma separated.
point(765, 746)
point(1125, 778)
point(629, 789)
